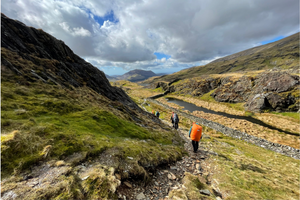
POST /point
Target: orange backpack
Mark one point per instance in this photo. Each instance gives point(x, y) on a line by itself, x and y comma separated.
point(196, 132)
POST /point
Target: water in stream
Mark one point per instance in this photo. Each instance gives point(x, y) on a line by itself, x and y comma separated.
point(192, 107)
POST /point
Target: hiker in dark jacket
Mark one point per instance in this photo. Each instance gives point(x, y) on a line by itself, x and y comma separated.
point(157, 114)
point(195, 134)
point(175, 120)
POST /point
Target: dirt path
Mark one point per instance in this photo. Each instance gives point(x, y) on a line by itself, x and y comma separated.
point(169, 177)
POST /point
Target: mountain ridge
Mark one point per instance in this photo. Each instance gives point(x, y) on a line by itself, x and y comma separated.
point(282, 54)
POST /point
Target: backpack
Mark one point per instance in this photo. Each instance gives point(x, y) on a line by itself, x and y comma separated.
point(175, 118)
point(196, 132)
point(157, 114)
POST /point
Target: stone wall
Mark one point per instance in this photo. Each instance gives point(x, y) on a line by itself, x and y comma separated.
point(279, 148)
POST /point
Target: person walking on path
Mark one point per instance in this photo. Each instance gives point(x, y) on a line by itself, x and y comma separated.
point(195, 134)
point(157, 114)
point(175, 120)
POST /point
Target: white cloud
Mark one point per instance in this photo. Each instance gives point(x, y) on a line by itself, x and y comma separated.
point(75, 31)
point(191, 32)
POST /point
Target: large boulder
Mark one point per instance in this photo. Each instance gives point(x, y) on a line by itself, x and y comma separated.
point(275, 82)
point(277, 91)
point(233, 91)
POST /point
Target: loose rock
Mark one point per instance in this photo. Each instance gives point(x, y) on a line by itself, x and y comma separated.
point(205, 192)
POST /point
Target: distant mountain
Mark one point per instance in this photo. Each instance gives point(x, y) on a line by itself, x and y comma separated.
point(133, 75)
point(282, 54)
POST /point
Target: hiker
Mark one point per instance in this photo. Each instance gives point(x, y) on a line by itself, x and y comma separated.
point(175, 120)
point(157, 114)
point(195, 134)
point(153, 112)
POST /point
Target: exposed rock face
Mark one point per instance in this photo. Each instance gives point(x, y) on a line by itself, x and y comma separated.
point(276, 91)
point(272, 90)
point(233, 91)
point(195, 87)
point(36, 55)
point(163, 85)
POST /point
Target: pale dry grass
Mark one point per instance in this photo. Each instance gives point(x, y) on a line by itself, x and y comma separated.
point(141, 93)
point(252, 129)
point(283, 122)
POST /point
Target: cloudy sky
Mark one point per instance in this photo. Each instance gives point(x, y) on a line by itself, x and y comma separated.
point(164, 36)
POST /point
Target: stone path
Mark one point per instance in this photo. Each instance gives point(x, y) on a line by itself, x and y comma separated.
point(168, 177)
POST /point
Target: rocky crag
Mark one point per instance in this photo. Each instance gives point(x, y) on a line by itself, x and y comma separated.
point(272, 90)
point(47, 59)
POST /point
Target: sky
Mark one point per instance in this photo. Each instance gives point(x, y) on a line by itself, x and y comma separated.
point(166, 36)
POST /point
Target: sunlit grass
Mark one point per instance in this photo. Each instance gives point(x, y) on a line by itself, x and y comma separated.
point(246, 171)
point(67, 121)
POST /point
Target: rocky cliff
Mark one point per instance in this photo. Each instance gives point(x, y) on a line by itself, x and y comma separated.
point(36, 55)
point(271, 90)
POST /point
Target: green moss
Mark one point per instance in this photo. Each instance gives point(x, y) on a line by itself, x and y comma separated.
point(160, 90)
point(295, 116)
point(208, 97)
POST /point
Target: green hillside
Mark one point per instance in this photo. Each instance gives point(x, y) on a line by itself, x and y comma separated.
point(282, 54)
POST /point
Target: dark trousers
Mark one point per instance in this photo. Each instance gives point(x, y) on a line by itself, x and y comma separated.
point(175, 125)
point(195, 145)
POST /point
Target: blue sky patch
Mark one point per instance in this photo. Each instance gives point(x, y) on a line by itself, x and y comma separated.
point(110, 16)
point(273, 40)
point(161, 55)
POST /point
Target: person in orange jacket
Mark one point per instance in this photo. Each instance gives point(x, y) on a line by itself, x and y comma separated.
point(195, 134)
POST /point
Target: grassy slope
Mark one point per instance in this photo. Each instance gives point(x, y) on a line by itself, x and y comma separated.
point(42, 122)
point(246, 171)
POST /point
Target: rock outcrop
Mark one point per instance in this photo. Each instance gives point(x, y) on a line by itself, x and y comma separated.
point(270, 90)
point(36, 55)
point(233, 91)
point(278, 91)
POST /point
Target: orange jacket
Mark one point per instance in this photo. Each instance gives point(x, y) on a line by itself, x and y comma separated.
point(196, 132)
